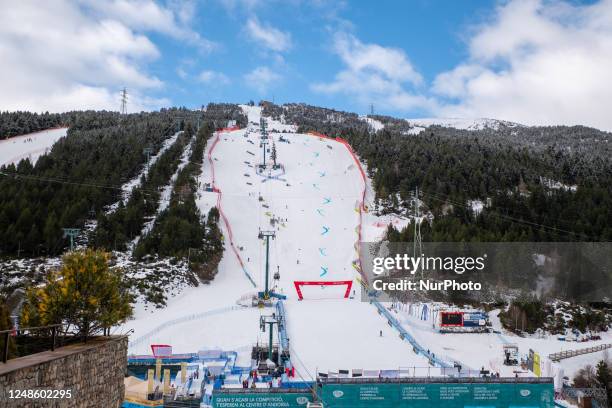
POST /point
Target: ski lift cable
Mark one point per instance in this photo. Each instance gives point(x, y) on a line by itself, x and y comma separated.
point(313, 378)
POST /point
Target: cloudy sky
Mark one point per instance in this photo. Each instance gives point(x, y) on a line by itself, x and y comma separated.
point(529, 61)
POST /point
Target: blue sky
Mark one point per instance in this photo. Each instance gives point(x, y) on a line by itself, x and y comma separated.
point(431, 33)
point(528, 61)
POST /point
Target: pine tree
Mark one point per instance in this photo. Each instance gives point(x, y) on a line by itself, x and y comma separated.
point(604, 377)
point(273, 154)
point(84, 294)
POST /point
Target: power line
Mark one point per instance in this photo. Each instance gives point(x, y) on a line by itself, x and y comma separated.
point(149, 191)
point(430, 195)
point(512, 219)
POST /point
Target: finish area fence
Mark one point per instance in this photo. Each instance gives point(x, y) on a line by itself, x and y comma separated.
point(183, 319)
point(414, 372)
point(393, 322)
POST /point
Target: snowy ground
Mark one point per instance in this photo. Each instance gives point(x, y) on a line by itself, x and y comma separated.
point(477, 350)
point(32, 145)
point(421, 124)
point(314, 205)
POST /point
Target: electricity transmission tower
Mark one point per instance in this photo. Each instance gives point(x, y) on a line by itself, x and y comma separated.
point(371, 129)
point(124, 99)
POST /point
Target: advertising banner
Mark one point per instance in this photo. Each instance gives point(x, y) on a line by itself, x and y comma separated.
point(422, 395)
point(261, 400)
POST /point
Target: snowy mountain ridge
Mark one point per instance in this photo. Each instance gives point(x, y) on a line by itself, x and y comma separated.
point(420, 124)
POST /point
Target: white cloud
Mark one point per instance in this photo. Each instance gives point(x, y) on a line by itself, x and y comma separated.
point(213, 78)
point(261, 78)
point(147, 15)
point(389, 62)
point(537, 62)
point(374, 73)
point(64, 55)
point(268, 36)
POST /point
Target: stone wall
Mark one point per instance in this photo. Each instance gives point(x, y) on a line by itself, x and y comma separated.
point(93, 372)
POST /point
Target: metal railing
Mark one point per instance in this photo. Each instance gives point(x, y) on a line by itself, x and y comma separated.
point(262, 390)
point(31, 340)
point(573, 353)
point(404, 335)
point(445, 380)
point(573, 395)
point(183, 319)
point(412, 372)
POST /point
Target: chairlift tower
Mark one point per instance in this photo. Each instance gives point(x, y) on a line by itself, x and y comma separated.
point(72, 233)
point(270, 321)
point(267, 235)
point(264, 145)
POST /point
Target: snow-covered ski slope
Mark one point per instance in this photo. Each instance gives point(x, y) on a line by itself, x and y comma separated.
point(313, 205)
point(30, 146)
point(314, 202)
point(317, 199)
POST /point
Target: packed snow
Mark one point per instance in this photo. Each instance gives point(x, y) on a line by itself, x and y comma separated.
point(30, 146)
point(475, 351)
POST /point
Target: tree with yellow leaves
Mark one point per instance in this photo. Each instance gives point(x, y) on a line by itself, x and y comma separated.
point(84, 295)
